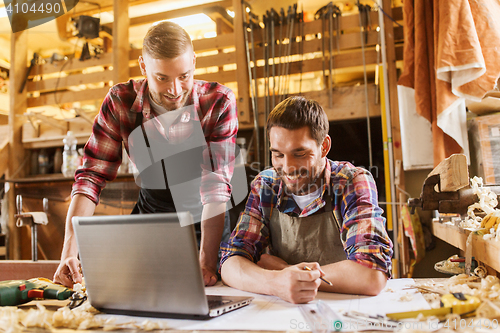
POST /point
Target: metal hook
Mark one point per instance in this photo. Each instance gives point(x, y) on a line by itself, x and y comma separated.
point(19, 204)
point(45, 203)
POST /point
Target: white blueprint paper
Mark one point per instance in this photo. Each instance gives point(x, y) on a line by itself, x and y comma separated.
point(273, 314)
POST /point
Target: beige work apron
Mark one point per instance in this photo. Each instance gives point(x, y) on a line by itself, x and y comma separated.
point(314, 238)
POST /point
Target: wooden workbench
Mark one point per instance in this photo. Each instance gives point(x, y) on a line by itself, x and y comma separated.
point(269, 313)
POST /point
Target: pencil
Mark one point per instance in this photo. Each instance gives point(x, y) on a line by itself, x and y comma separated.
point(307, 268)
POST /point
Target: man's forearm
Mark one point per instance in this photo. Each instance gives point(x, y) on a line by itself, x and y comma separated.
point(212, 226)
point(349, 277)
point(80, 206)
point(241, 273)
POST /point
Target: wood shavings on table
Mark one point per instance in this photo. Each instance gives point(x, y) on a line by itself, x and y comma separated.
point(486, 289)
point(406, 297)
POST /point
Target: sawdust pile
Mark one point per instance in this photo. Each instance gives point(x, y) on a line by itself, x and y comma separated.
point(13, 320)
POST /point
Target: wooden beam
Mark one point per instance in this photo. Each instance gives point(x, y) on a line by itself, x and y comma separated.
point(395, 130)
point(52, 122)
point(62, 26)
point(53, 141)
point(18, 106)
point(89, 8)
point(397, 13)
point(121, 44)
point(220, 59)
point(25, 269)
point(4, 151)
point(242, 77)
point(220, 16)
point(344, 60)
point(72, 65)
point(222, 77)
point(223, 27)
point(216, 43)
point(349, 104)
point(69, 81)
point(347, 41)
point(175, 13)
point(392, 83)
point(68, 96)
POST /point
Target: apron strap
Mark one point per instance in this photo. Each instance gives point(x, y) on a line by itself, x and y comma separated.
point(329, 208)
point(138, 120)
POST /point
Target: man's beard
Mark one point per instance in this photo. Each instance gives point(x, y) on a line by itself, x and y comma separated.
point(307, 182)
point(160, 99)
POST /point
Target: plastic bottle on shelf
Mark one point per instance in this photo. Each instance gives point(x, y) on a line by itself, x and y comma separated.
point(58, 160)
point(242, 157)
point(70, 155)
point(124, 166)
point(43, 162)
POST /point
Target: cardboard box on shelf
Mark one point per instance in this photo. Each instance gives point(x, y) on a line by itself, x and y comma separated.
point(484, 137)
point(42, 131)
point(488, 105)
point(48, 135)
point(79, 125)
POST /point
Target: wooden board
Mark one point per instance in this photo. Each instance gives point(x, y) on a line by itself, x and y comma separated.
point(70, 80)
point(342, 107)
point(171, 14)
point(25, 269)
point(453, 172)
point(4, 148)
point(69, 96)
point(72, 65)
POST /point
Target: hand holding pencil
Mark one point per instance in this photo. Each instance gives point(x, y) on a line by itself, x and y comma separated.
point(307, 268)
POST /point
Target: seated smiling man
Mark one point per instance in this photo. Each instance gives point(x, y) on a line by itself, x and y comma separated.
point(308, 211)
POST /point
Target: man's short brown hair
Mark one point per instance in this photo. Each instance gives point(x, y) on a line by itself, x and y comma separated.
point(166, 40)
point(296, 112)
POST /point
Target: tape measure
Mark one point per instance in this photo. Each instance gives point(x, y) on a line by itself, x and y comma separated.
point(457, 303)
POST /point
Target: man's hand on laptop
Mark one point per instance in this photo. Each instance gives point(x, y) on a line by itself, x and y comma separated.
point(68, 272)
point(297, 285)
point(209, 276)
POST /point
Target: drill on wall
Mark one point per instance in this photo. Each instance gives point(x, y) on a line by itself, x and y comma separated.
point(16, 292)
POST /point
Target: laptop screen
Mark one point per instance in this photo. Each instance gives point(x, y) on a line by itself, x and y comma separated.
point(141, 263)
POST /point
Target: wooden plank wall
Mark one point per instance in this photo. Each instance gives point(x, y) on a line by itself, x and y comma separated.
point(77, 81)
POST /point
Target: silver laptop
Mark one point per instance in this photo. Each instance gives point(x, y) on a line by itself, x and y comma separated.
point(146, 265)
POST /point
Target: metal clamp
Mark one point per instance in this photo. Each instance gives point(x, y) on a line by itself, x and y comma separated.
point(27, 219)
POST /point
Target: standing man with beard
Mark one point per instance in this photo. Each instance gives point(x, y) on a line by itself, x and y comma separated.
point(171, 110)
point(308, 211)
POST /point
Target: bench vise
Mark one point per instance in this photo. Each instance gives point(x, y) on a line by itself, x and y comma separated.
point(456, 202)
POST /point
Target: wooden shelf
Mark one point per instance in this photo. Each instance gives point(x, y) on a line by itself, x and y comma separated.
point(59, 177)
point(54, 141)
point(485, 251)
